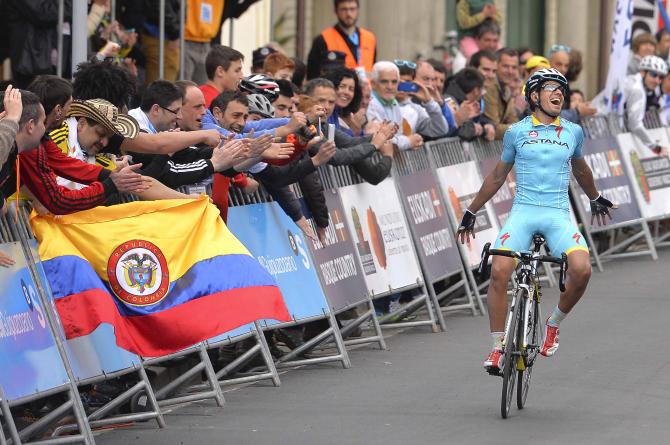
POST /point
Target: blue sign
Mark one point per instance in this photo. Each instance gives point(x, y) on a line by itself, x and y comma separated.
point(278, 244)
point(28, 353)
point(94, 354)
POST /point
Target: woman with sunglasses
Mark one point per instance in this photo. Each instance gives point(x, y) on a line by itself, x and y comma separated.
point(543, 149)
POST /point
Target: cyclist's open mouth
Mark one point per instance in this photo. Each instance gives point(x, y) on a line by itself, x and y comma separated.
point(555, 101)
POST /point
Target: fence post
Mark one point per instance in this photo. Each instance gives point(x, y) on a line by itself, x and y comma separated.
point(79, 33)
point(161, 39)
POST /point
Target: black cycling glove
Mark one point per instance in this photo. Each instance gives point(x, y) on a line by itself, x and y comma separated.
point(600, 207)
point(467, 223)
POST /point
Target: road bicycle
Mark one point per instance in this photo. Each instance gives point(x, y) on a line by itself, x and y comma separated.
point(524, 333)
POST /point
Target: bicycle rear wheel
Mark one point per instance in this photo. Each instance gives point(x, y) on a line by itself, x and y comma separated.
point(511, 354)
point(533, 340)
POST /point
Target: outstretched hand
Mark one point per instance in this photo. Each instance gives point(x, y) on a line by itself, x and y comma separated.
point(467, 227)
point(600, 207)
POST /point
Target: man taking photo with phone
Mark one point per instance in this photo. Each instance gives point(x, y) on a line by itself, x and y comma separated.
point(421, 112)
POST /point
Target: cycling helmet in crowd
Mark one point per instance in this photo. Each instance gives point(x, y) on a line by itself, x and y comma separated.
point(260, 84)
point(538, 78)
point(260, 105)
point(654, 64)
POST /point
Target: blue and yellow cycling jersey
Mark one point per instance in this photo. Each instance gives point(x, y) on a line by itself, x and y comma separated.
point(541, 155)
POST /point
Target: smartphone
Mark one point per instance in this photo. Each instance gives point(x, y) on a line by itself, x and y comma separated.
point(408, 87)
point(331, 132)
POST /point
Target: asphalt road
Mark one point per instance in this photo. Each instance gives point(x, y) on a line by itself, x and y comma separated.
point(608, 384)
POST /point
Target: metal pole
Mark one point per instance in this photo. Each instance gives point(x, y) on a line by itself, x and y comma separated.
point(182, 44)
point(79, 33)
point(61, 14)
point(113, 10)
point(230, 32)
point(161, 38)
point(300, 30)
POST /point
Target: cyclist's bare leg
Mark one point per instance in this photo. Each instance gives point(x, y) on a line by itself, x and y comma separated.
point(579, 272)
point(501, 272)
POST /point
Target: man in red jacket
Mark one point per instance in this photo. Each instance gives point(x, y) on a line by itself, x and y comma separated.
point(35, 162)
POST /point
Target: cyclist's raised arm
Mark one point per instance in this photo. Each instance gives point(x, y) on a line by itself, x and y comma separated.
point(490, 187)
point(600, 206)
point(584, 177)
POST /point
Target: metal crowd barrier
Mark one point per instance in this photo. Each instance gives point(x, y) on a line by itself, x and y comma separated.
point(14, 235)
point(332, 334)
point(415, 179)
point(604, 151)
point(353, 191)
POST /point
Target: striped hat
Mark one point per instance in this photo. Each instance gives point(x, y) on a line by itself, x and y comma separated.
point(105, 114)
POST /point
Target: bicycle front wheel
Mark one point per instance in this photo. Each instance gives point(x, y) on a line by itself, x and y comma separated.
point(533, 339)
point(511, 355)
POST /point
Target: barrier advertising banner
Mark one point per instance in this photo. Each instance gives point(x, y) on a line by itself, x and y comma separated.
point(279, 246)
point(604, 158)
point(341, 274)
point(94, 354)
point(650, 174)
point(426, 214)
point(502, 201)
point(383, 241)
point(31, 362)
point(460, 184)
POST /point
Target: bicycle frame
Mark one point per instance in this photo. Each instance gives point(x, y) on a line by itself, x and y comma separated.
point(519, 355)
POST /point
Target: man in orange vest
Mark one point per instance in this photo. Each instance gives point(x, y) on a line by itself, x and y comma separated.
point(359, 45)
point(203, 22)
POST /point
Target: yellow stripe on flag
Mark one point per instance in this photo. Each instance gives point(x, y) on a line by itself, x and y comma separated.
point(185, 230)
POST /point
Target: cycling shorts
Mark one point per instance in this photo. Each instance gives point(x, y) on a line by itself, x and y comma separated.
point(561, 234)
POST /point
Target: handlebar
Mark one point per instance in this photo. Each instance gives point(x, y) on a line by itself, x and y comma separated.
point(524, 257)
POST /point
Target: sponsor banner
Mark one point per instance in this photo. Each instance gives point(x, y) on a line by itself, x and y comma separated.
point(460, 184)
point(280, 247)
point(30, 359)
point(426, 214)
point(381, 236)
point(336, 264)
point(502, 201)
point(650, 174)
point(605, 159)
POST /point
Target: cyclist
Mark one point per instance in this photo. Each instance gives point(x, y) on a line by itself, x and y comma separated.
point(640, 94)
point(544, 148)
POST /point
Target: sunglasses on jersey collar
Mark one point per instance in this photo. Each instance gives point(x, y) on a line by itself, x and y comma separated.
point(400, 63)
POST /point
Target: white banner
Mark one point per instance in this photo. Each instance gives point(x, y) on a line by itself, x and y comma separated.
point(381, 235)
point(649, 174)
point(460, 184)
point(611, 99)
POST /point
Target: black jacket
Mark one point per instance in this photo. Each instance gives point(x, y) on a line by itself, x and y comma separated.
point(466, 130)
point(188, 166)
point(151, 10)
point(33, 35)
point(374, 169)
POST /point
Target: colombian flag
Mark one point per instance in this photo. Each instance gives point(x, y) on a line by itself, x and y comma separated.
point(166, 274)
